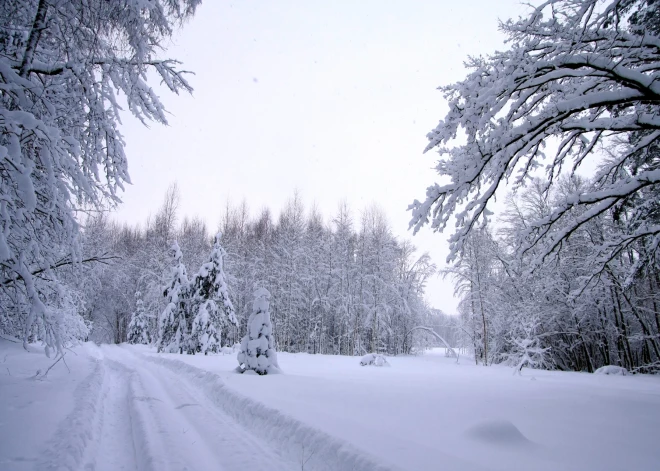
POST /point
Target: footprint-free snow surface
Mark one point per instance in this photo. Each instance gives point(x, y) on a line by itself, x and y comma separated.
point(128, 408)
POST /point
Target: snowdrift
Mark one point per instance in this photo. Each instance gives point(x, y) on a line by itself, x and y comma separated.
point(611, 370)
point(374, 359)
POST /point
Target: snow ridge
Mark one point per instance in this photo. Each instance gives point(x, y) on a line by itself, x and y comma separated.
point(294, 438)
point(67, 448)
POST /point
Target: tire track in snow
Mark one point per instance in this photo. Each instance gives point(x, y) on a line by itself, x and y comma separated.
point(67, 449)
point(292, 437)
point(114, 449)
point(181, 429)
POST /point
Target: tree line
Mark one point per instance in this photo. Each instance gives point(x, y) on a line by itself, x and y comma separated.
point(336, 288)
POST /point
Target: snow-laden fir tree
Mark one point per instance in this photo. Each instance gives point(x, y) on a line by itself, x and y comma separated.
point(210, 303)
point(258, 346)
point(138, 328)
point(172, 325)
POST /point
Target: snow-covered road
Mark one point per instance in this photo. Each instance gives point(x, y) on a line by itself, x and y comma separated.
point(114, 408)
point(155, 420)
point(129, 408)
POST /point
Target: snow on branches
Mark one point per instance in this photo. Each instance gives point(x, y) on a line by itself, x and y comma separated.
point(172, 323)
point(61, 67)
point(581, 78)
point(210, 304)
point(198, 309)
point(138, 328)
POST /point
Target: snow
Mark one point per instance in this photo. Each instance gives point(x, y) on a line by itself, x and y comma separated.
point(426, 412)
point(37, 415)
point(419, 413)
point(374, 359)
point(611, 370)
point(498, 432)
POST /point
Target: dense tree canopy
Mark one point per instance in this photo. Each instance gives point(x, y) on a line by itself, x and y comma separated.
point(577, 87)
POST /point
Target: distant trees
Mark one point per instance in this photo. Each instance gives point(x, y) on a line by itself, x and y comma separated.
point(62, 65)
point(337, 287)
point(571, 269)
point(139, 331)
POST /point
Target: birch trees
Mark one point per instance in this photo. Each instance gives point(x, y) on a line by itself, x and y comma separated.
point(572, 265)
point(337, 287)
point(62, 64)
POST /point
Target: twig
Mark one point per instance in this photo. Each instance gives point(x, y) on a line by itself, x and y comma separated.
point(71, 351)
point(44, 375)
point(304, 461)
point(11, 339)
point(65, 364)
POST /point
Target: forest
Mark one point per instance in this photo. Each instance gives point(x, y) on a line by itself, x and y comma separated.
point(337, 287)
point(548, 168)
point(229, 234)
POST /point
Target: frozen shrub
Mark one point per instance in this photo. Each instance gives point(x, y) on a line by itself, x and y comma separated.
point(373, 359)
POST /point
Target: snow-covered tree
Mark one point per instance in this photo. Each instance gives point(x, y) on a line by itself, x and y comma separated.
point(210, 303)
point(472, 276)
point(62, 65)
point(204, 335)
point(580, 76)
point(138, 328)
point(257, 351)
point(315, 270)
point(526, 344)
point(289, 274)
point(172, 322)
point(378, 283)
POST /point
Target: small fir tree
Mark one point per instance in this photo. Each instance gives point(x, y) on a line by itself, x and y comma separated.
point(172, 326)
point(257, 351)
point(138, 328)
point(210, 303)
point(204, 336)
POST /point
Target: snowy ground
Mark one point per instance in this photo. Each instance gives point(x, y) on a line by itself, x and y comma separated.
point(125, 407)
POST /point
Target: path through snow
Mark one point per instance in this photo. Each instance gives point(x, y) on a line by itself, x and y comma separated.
point(155, 420)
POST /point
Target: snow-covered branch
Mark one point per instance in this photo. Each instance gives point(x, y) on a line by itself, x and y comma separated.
point(578, 78)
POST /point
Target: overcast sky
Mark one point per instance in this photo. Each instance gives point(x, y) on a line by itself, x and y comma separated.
point(332, 98)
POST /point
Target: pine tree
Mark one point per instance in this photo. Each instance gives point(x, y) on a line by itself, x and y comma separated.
point(210, 303)
point(172, 325)
point(258, 346)
point(138, 328)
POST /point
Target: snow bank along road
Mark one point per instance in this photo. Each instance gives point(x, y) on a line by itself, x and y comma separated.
point(128, 408)
point(132, 412)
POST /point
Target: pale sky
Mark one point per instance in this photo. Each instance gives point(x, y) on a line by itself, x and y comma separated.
point(332, 98)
